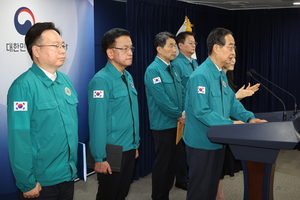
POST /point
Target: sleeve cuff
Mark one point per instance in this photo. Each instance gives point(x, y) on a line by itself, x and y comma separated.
point(103, 159)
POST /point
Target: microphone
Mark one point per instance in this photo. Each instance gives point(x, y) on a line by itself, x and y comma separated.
point(284, 109)
point(295, 107)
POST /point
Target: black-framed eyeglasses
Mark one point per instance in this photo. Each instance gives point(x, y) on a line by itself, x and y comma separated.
point(124, 50)
point(63, 46)
point(231, 48)
point(193, 43)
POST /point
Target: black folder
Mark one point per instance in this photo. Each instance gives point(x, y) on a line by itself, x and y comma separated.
point(113, 157)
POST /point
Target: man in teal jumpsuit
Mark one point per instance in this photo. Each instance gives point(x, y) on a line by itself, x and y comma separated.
point(185, 65)
point(210, 101)
point(42, 120)
point(113, 115)
point(164, 98)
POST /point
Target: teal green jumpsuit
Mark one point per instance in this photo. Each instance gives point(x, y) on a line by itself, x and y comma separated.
point(42, 129)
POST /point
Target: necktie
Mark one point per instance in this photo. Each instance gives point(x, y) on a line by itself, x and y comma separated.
point(192, 66)
point(124, 80)
point(169, 70)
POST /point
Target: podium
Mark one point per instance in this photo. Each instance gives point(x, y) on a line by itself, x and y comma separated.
point(257, 146)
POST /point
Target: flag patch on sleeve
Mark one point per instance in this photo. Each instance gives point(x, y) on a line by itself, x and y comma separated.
point(98, 93)
point(20, 106)
point(201, 90)
point(156, 80)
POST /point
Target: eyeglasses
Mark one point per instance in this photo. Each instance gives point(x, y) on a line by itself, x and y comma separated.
point(231, 48)
point(193, 43)
point(124, 50)
point(64, 46)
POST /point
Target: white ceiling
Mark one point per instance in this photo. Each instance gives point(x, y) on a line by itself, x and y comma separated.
point(246, 4)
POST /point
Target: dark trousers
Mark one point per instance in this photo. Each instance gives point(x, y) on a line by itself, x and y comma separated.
point(204, 171)
point(115, 186)
point(182, 174)
point(164, 168)
point(61, 191)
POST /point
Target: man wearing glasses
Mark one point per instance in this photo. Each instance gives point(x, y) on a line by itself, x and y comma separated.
point(113, 115)
point(42, 120)
point(185, 65)
point(164, 98)
point(209, 102)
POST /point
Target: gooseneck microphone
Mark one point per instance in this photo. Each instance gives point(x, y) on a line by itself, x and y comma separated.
point(284, 109)
point(295, 107)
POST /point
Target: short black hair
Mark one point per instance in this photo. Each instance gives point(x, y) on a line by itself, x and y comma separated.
point(180, 38)
point(34, 34)
point(216, 36)
point(160, 39)
point(109, 38)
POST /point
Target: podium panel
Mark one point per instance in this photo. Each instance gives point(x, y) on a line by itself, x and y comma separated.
point(254, 154)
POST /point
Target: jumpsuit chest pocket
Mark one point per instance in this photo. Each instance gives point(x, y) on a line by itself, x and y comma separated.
point(44, 116)
point(116, 104)
point(118, 98)
point(170, 90)
point(216, 100)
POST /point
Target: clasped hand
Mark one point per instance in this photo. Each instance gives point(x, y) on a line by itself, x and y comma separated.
point(35, 192)
point(182, 119)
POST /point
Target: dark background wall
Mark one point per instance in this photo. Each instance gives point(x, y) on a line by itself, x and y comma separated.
point(108, 14)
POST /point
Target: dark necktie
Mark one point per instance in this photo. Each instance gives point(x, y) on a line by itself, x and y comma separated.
point(192, 66)
point(169, 70)
point(124, 80)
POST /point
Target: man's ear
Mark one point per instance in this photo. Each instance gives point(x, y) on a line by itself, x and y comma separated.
point(216, 48)
point(179, 45)
point(158, 49)
point(35, 51)
point(110, 53)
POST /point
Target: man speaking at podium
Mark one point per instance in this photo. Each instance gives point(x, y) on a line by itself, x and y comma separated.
point(209, 102)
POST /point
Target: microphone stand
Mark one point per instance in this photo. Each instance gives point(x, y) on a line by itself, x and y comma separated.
point(295, 107)
point(284, 109)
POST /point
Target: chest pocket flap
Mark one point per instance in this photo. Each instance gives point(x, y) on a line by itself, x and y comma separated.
point(178, 79)
point(167, 80)
point(134, 91)
point(122, 93)
point(216, 93)
point(72, 101)
point(47, 105)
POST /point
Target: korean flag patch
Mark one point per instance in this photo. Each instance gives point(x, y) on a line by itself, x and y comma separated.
point(201, 90)
point(156, 80)
point(98, 94)
point(20, 106)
